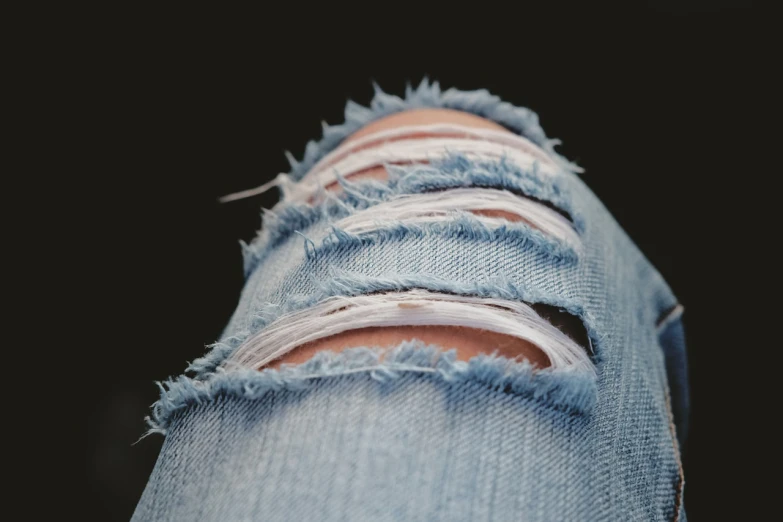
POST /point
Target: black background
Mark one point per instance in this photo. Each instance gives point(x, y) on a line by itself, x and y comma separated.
point(660, 102)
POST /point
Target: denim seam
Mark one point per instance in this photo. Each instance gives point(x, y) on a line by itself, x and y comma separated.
point(668, 318)
point(680, 484)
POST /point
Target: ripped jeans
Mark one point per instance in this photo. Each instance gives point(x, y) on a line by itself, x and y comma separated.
point(491, 231)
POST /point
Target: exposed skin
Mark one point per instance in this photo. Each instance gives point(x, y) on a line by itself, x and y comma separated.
point(468, 342)
point(422, 117)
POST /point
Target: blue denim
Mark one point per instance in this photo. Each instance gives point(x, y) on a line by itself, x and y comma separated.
point(420, 435)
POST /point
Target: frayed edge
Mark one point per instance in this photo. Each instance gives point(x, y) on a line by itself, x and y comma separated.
point(464, 226)
point(429, 95)
point(285, 220)
point(458, 171)
point(561, 389)
point(352, 284)
point(453, 171)
point(218, 352)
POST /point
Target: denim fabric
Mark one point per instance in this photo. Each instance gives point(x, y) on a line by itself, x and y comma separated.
point(420, 435)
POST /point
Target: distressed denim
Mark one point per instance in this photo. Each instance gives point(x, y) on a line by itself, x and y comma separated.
point(420, 435)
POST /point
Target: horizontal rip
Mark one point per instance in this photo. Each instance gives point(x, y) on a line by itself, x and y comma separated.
point(569, 392)
point(416, 307)
point(437, 130)
point(406, 145)
point(407, 152)
point(491, 206)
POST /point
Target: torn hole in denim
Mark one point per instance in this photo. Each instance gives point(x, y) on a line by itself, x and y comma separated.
point(571, 325)
point(411, 152)
point(347, 283)
point(288, 219)
point(458, 171)
point(405, 146)
point(490, 206)
point(519, 120)
point(511, 190)
point(434, 130)
point(460, 225)
point(468, 342)
point(416, 307)
point(565, 389)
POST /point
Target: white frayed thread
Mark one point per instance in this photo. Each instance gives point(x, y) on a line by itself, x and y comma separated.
point(282, 180)
point(423, 150)
point(411, 308)
point(437, 206)
point(407, 144)
point(436, 130)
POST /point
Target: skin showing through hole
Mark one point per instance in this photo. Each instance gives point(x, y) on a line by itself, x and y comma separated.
point(423, 117)
point(414, 117)
point(468, 342)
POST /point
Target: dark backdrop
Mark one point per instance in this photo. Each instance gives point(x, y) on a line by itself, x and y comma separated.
point(660, 103)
